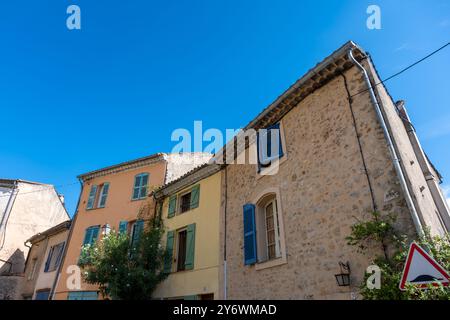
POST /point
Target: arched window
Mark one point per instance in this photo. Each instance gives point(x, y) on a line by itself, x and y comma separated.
point(268, 225)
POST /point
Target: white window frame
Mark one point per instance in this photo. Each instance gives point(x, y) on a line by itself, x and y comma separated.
point(270, 170)
point(276, 229)
point(264, 262)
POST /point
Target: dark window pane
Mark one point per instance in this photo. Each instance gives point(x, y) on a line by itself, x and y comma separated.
point(186, 202)
point(181, 250)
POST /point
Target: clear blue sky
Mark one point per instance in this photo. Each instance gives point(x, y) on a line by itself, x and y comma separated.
point(74, 101)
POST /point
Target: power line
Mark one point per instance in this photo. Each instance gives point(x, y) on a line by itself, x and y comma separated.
point(403, 70)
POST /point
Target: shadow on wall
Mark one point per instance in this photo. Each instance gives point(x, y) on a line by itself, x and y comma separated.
point(14, 265)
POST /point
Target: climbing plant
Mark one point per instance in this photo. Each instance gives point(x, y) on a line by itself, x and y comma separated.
point(125, 271)
point(379, 232)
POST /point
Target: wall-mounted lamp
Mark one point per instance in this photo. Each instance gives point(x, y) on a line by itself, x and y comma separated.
point(343, 278)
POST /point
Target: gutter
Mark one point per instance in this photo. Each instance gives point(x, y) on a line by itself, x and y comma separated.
point(66, 246)
point(394, 156)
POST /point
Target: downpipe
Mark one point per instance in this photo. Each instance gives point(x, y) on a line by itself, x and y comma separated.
point(394, 156)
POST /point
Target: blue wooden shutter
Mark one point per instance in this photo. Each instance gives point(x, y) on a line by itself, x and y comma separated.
point(123, 226)
point(195, 196)
point(169, 249)
point(91, 199)
point(172, 206)
point(190, 247)
point(250, 255)
point(49, 259)
point(280, 145)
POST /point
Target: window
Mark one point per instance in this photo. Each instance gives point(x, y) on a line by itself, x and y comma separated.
point(269, 145)
point(98, 199)
point(263, 232)
point(33, 269)
point(123, 227)
point(91, 235)
point(54, 257)
point(140, 186)
point(42, 295)
point(82, 295)
point(181, 259)
point(103, 195)
point(186, 201)
point(183, 240)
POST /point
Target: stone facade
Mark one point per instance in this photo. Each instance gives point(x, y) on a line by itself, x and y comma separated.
point(323, 189)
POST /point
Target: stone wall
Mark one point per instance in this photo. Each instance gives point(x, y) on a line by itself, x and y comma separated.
point(324, 190)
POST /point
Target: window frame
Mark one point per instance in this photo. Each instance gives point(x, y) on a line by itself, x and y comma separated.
point(140, 187)
point(179, 205)
point(262, 171)
point(260, 199)
point(51, 253)
point(101, 195)
point(177, 248)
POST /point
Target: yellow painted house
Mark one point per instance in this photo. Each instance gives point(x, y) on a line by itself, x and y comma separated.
point(191, 213)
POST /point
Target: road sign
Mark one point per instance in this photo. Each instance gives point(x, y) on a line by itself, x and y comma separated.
point(421, 269)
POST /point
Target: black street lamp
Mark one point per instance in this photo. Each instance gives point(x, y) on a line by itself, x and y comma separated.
point(343, 278)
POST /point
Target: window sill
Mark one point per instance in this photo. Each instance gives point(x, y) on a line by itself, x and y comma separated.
point(139, 199)
point(272, 169)
point(270, 263)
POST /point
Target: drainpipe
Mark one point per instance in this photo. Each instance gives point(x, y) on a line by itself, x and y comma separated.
point(394, 156)
point(66, 246)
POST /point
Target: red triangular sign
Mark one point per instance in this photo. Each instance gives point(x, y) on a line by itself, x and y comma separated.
point(421, 269)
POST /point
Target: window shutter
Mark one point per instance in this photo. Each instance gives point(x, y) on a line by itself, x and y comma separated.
point(104, 195)
point(172, 205)
point(95, 231)
point(144, 184)
point(49, 259)
point(280, 146)
point(91, 199)
point(60, 254)
point(195, 196)
point(250, 255)
point(137, 231)
point(87, 236)
point(190, 247)
point(123, 226)
point(169, 248)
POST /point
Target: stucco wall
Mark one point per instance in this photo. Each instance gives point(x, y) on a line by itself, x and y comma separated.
point(204, 278)
point(324, 190)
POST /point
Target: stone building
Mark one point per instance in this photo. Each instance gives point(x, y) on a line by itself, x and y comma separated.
point(26, 208)
point(345, 152)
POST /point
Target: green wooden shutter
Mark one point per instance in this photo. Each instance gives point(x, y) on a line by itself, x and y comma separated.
point(104, 195)
point(91, 199)
point(137, 231)
point(195, 196)
point(87, 236)
point(94, 234)
point(169, 249)
point(172, 205)
point(123, 226)
point(190, 247)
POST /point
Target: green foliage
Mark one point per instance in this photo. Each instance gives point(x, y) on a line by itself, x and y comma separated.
point(380, 232)
point(122, 271)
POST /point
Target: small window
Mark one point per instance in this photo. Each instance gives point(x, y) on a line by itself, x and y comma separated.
point(185, 203)
point(269, 145)
point(140, 186)
point(91, 235)
point(42, 295)
point(181, 257)
point(54, 257)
